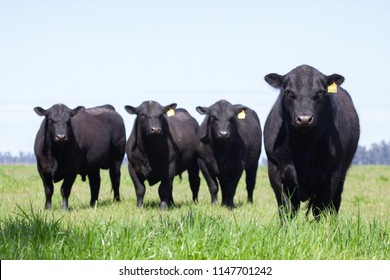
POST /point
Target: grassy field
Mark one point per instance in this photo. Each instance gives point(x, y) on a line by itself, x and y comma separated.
point(189, 231)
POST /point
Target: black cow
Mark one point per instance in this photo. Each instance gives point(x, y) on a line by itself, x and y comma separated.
point(161, 146)
point(79, 141)
point(310, 137)
point(229, 143)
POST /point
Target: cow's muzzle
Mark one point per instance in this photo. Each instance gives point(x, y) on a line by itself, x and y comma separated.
point(60, 138)
point(304, 120)
point(155, 130)
point(223, 135)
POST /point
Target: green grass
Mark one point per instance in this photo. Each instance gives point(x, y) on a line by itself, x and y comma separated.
point(189, 231)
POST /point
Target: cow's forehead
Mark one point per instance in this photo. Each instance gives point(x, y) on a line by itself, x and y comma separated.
point(151, 108)
point(60, 111)
point(222, 109)
point(305, 77)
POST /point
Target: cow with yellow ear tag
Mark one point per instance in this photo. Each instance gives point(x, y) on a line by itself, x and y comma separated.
point(229, 143)
point(310, 137)
point(162, 145)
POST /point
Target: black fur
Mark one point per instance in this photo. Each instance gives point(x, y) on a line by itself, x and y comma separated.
point(161, 147)
point(227, 146)
point(79, 141)
point(310, 138)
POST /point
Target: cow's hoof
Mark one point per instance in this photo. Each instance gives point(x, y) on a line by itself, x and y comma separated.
point(163, 205)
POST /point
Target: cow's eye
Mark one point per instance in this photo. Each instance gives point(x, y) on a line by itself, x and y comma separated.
point(214, 118)
point(319, 94)
point(290, 93)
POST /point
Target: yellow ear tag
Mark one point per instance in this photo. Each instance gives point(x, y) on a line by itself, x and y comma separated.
point(170, 112)
point(241, 115)
point(332, 88)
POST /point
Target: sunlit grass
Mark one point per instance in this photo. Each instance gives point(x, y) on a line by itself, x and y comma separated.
point(189, 230)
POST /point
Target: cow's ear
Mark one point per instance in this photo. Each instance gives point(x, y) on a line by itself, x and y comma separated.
point(40, 111)
point(77, 110)
point(239, 108)
point(203, 131)
point(274, 80)
point(131, 110)
point(240, 111)
point(169, 107)
point(335, 78)
point(202, 110)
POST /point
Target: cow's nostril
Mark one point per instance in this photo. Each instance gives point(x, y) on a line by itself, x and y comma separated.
point(155, 130)
point(60, 137)
point(304, 120)
point(223, 133)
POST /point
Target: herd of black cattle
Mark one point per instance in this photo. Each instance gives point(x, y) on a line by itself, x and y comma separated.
point(310, 136)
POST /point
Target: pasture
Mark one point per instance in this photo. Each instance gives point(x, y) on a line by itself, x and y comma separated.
point(189, 231)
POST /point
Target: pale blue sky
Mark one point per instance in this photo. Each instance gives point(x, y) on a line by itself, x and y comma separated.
point(189, 52)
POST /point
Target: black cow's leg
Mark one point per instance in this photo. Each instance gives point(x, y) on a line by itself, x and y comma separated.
point(138, 186)
point(115, 176)
point(337, 198)
point(226, 192)
point(48, 187)
point(193, 176)
point(251, 181)
point(292, 201)
point(328, 195)
point(290, 195)
point(228, 188)
point(94, 185)
point(321, 201)
point(211, 182)
point(277, 186)
point(164, 193)
point(170, 200)
point(286, 196)
point(66, 189)
point(319, 206)
point(339, 185)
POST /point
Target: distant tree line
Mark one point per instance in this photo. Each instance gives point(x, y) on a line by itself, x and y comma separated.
point(377, 154)
point(21, 158)
point(25, 158)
